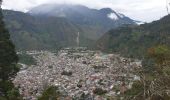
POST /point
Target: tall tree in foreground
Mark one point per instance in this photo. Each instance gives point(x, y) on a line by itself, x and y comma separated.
point(8, 61)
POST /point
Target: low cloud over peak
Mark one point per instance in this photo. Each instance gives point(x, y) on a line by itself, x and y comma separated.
point(144, 10)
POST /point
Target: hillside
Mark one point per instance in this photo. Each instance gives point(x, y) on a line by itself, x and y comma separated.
point(98, 21)
point(133, 41)
point(29, 33)
point(49, 27)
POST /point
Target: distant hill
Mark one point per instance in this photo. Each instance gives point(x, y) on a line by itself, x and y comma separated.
point(133, 41)
point(30, 33)
point(56, 26)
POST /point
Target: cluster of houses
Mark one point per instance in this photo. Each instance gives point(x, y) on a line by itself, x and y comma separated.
point(77, 71)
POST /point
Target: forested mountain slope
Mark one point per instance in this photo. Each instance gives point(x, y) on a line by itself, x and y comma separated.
point(54, 26)
point(32, 33)
point(133, 41)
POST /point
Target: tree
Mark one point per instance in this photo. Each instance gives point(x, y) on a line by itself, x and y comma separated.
point(161, 56)
point(51, 93)
point(8, 61)
point(160, 87)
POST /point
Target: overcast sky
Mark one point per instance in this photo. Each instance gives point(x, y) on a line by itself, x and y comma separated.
point(143, 10)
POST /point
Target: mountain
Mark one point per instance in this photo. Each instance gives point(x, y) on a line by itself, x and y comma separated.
point(99, 21)
point(81, 14)
point(30, 33)
point(134, 41)
point(54, 26)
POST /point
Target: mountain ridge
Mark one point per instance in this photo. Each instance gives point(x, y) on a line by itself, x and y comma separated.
point(35, 32)
point(133, 41)
point(72, 11)
point(49, 32)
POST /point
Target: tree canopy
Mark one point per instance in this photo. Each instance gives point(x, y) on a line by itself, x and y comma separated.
point(8, 61)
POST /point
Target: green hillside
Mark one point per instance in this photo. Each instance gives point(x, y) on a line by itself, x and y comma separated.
point(30, 33)
point(133, 41)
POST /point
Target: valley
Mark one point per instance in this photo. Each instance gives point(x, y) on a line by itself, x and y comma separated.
point(53, 51)
point(77, 72)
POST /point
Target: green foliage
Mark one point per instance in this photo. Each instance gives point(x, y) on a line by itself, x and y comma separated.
point(8, 61)
point(161, 57)
point(160, 54)
point(8, 57)
point(67, 73)
point(154, 75)
point(148, 65)
point(137, 87)
point(48, 33)
point(99, 91)
point(26, 59)
point(14, 95)
point(52, 93)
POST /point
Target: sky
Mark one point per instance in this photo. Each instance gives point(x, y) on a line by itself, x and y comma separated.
point(141, 10)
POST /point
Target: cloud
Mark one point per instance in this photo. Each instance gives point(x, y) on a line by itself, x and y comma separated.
point(144, 10)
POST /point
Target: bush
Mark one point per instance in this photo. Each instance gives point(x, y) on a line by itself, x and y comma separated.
point(26, 59)
point(51, 93)
point(137, 87)
point(99, 91)
point(67, 73)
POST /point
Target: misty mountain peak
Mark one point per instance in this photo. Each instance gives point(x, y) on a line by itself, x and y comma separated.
point(54, 8)
point(80, 14)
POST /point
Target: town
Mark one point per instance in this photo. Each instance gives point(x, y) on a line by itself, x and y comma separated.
point(77, 71)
